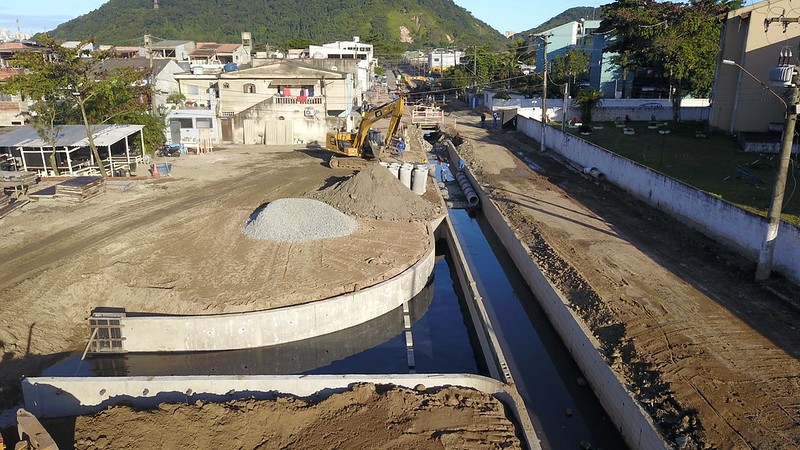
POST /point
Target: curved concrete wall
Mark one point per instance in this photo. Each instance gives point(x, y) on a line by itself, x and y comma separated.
point(275, 326)
point(633, 422)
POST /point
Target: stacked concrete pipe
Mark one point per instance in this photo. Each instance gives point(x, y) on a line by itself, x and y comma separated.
point(466, 186)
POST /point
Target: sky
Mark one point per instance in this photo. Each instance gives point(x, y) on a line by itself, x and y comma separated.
point(518, 15)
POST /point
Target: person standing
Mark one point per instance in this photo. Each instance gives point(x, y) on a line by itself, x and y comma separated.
point(401, 147)
point(443, 171)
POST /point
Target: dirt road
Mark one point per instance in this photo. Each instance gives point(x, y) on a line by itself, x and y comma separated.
point(712, 355)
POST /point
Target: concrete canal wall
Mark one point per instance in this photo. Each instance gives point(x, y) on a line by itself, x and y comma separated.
point(633, 422)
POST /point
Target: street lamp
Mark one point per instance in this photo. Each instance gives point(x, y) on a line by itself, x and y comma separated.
point(774, 215)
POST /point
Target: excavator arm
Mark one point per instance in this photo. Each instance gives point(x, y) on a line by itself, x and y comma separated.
point(394, 109)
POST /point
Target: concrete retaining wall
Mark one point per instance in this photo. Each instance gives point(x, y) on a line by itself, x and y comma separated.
point(718, 219)
point(61, 397)
point(275, 326)
point(633, 422)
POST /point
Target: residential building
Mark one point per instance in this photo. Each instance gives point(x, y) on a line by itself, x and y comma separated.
point(9, 49)
point(354, 49)
point(164, 71)
point(214, 56)
point(85, 47)
point(348, 51)
point(123, 51)
point(198, 88)
point(171, 49)
point(440, 60)
point(741, 103)
point(285, 102)
point(12, 106)
point(603, 74)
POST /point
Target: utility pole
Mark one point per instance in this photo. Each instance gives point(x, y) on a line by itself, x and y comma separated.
point(565, 107)
point(543, 37)
point(148, 45)
point(764, 266)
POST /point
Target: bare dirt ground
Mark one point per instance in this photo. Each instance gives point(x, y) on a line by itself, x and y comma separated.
point(367, 417)
point(175, 246)
point(709, 353)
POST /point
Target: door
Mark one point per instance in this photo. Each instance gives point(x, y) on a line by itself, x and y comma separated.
point(227, 130)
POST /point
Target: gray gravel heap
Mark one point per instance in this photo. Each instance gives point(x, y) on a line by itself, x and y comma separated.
point(299, 220)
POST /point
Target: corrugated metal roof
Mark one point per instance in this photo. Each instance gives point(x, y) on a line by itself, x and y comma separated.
point(70, 136)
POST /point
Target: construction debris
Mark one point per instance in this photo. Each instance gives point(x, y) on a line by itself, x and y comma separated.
point(17, 178)
point(80, 189)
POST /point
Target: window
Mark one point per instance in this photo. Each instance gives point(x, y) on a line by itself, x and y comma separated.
point(203, 122)
point(192, 89)
point(182, 123)
point(226, 85)
point(249, 88)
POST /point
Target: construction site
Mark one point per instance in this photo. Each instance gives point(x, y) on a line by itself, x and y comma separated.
point(467, 292)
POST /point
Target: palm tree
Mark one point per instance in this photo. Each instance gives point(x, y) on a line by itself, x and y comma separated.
point(588, 99)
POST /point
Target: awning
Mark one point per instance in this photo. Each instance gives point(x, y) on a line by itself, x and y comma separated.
point(69, 136)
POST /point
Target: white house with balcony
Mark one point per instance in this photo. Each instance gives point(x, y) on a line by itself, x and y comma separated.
point(285, 102)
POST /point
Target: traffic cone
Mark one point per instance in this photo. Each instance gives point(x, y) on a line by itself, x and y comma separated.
point(155, 171)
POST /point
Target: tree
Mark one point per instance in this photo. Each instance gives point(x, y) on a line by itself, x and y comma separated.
point(679, 40)
point(569, 66)
point(98, 96)
point(588, 99)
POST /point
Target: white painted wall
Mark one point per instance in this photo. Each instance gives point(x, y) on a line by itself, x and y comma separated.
point(712, 216)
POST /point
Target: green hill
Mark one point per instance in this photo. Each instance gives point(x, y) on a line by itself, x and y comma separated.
point(388, 24)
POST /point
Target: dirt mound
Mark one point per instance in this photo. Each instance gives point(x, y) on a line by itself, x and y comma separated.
point(374, 193)
point(369, 416)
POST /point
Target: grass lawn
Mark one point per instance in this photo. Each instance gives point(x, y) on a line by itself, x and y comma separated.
point(704, 163)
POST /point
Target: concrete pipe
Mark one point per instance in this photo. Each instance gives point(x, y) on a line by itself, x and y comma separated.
point(594, 173)
point(405, 174)
point(419, 179)
point(394, 169)
point(466, 186)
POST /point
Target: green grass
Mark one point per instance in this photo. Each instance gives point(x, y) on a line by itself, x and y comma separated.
point(704, 163)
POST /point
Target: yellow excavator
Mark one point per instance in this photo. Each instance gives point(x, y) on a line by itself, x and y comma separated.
point(365, 143)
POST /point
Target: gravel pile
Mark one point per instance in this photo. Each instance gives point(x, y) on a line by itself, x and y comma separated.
point(299, 220)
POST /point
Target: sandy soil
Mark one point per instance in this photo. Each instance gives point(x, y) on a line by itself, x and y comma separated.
point(175, 246)
point(712, 355)
point(367, 417)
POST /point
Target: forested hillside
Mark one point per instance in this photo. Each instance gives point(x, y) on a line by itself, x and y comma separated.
point(389, 24)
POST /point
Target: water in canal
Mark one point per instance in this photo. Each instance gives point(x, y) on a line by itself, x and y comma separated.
point(564, 412)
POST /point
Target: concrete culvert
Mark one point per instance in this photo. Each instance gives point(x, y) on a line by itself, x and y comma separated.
point(299, 220)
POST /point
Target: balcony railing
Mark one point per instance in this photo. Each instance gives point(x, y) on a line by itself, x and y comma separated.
point(298, 100)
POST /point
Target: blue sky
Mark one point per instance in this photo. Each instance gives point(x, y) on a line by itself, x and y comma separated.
point(517, 15)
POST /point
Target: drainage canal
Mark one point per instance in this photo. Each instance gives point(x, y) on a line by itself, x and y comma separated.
point(565, 412)
point(428, 335)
